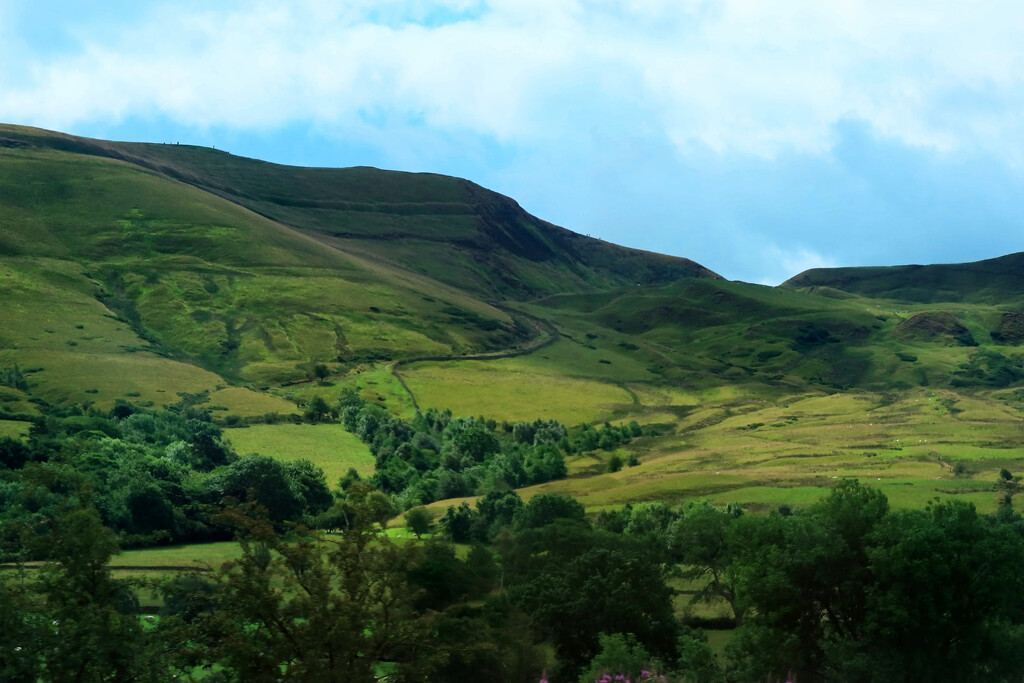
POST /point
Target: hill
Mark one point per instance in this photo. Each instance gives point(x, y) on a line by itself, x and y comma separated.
point(447, 228)
point(994, 281)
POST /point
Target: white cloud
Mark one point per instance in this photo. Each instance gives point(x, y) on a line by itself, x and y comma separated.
point(730, 75)
point(786, 263)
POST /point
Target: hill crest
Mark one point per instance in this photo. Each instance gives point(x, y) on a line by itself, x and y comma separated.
point(446, 228)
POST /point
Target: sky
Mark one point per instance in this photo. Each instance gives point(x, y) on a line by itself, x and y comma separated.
point(756, 137)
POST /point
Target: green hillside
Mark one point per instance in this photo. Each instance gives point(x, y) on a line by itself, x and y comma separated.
point(994, 281)
point(106, 258)
point(446, 228)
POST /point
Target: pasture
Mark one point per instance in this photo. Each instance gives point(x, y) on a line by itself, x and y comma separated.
point(513, 390)
point(328, 446)
point(767, 455)
point(13, 429)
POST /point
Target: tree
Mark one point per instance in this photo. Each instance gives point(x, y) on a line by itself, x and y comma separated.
point(264, 480)
point(545, 508)
point(576, 584)
point(310, 484)
point(705, 540)
point(419, 521)
point(620, 655)
point(848, 591)
point(806, 577)
point(494, 511)
point(73, 621)
point(313, 608)
point(318, 410)
point(457, 523)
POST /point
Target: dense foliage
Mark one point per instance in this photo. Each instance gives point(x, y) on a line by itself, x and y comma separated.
point(152, 476)
point(844, 590)
point(437, 456)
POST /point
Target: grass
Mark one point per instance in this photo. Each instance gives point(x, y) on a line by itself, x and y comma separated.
point(792, 452)
point(511, 390)
point(245, 402)
point(193, 277)
point(13, 429)
point(194, 555)
point(376, 383)
point(328, 446)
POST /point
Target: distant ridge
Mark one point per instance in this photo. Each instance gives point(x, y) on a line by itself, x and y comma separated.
point(998, 280)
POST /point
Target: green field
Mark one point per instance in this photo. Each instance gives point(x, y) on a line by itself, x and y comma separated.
point(511, 390)
point(194, 555)
point(328, 446)
point(13, 429)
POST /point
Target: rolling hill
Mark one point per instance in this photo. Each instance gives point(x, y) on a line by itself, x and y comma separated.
point(997, 281)
point(446, 228)
point(256, 271)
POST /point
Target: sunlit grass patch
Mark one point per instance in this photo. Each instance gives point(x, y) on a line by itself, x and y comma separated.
point(248, 403)
point(192, 555)
point(328, 446)
point(101, 379)
point(487, 388)
point(375, 383)
point(761, 496)
point(635, 485)
point(664, 395)
point(13, 429)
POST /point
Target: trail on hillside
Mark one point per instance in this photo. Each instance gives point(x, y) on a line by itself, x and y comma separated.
point(543, 327)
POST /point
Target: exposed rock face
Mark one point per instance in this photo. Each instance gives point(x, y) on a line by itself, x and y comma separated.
point(1011, 329)
point(936, 327)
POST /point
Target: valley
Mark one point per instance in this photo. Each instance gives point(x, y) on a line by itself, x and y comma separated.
point(137, 272)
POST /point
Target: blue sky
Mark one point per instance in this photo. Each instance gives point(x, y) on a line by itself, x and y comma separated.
point(758, 138)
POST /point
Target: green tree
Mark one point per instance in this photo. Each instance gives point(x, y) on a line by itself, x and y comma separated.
point(546, 508)
point(576, 584)
point(419, 521)
point(73, 621)
point(619, 655)
point(848, 591)
point(705, 540)
point(263, 480)
point(312, 608)
point(318, 410)
point(457, 523)
point(806, 577)
point(310, 484)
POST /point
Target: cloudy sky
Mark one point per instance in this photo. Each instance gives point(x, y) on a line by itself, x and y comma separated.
point(757, 137)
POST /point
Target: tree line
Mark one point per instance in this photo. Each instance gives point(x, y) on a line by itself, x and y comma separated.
point(153, 477)
point(436, 456)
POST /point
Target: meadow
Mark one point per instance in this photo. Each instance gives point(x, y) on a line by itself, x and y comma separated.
point(328, 446)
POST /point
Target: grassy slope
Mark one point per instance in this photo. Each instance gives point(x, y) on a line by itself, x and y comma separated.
point(97, 253)
point(328, 446)
point(994, 281)
point(750, 409)
point(447, 228)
